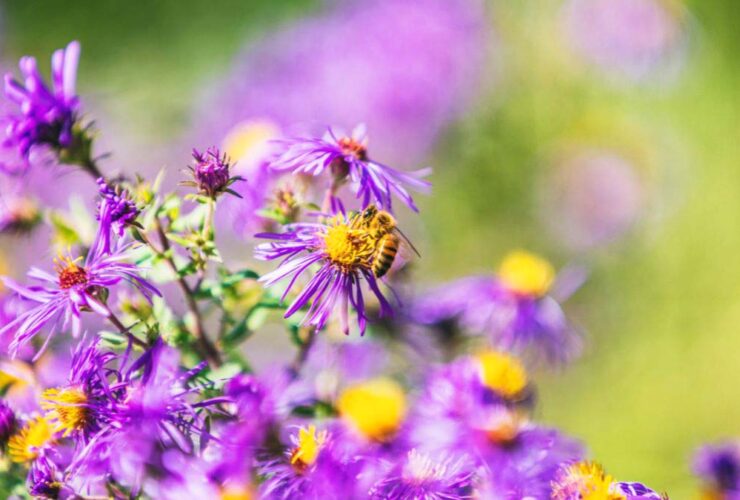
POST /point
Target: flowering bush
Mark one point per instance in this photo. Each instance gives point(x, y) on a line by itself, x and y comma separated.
point(161, 401)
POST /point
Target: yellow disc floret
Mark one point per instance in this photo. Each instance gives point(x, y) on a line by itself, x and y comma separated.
point(502, 373)
point(585, 480)
point(309, 445)
point(526, 274)
point(375, 408)
point(70, 274)
point(66, 408)
point(249, 140)
point(236, 492)
point(347, 247)
point(24, 446)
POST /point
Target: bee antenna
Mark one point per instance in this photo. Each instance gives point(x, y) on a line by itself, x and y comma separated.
point(407, 240)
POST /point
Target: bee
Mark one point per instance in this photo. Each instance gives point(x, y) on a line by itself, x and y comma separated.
point(382, 226)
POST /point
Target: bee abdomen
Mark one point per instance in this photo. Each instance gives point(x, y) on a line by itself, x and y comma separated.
point(385, 254)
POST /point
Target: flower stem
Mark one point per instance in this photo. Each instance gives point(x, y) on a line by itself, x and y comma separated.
point(303, 352)
point(205, 347)
point(125, 331)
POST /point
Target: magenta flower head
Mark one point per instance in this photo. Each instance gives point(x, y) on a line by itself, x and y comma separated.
point(585, 479)
point(7, 423)
point(516, 308)
point(420, 476)
point(45, 116)
point(345, 157)
point(343, 248)
point(211, 173)
point(718, 466)
point(75, 288)
point(116, 207)
point(45, 480)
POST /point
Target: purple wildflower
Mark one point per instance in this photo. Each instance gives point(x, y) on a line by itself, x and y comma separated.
point(421, 477)
point(7, 423)
point(346, 157)
point(86, 403)
point(45, 480)
point(517, 315)
point(718, 466)
point(18, 214)
point(116, 206)
point(343, 250)
point(311, 468)
point(47, 116)
point(211, 173)
point(75, 288)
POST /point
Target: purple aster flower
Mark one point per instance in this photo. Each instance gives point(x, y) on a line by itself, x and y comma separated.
point(585, 479)
point(45, 480)
point(19, 214)
point(343, 250)
point(7, 423)
point(470, 408)
point(116, 207)
point(75, 288)
point(513, 308)
point(311, 468)
point(423, 477)
point(46, 116)
point(86, 404)
point(718, 466)
point(346, 158)
point(150, 408)
point(211, 173)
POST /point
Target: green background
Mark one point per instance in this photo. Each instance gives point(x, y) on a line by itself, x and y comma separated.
point(661, 308)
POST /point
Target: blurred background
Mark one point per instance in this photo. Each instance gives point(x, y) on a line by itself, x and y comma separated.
point(597, 132)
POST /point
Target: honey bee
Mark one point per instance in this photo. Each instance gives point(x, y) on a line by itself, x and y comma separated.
point(382, 226)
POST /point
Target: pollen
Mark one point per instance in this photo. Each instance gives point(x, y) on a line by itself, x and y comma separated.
point(309, 445)
point(502, 373)
point(526, 274)
point(236, 492)
point(375, 408)
point(347, 247)
point(70, 274)
point(66, 409)
point(350, 146)
point(584, 480)
point(25, 445)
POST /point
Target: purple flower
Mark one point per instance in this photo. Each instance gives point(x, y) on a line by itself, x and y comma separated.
point(424, 477)
point(344, 253)
point(46, 116)
point(7, 423)
point(718, 466)
point(18, 214)
point(346, 157)
point(513, 308)
point(45, 480)
point(116, 207)
point(211, 173)
point(86, 403)
point(74, 289)
point(577, 480)
point(311, 468)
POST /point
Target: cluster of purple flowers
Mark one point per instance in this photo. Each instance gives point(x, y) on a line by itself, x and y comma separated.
point(166, 406)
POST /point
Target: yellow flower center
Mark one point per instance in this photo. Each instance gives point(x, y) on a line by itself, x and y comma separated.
point(503, 426)
point(236, 492)
point(24, 446)
point(502, 373)
point(588, 481)
point(347, 247)
point(375, 408)
point(351, 146)
point(66, 408)
point(526, 274)
point(70, 274)
point(248, 141)
point(309, 445)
